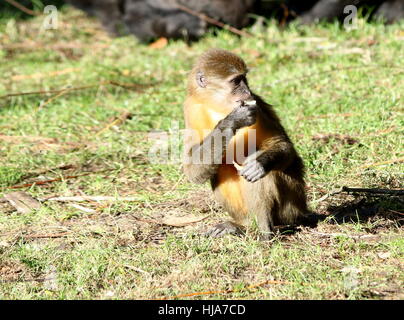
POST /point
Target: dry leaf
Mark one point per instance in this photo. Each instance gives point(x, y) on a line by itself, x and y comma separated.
point(255, 53)
point(176, 221)
point(22, 201)
point(159, 44)
point(384, 255)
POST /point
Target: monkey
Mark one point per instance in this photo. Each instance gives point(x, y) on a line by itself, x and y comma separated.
point(268, 184)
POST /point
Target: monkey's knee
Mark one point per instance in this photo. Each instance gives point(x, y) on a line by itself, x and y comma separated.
point(221, 229)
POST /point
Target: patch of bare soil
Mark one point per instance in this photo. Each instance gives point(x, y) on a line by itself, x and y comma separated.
point(13, 271)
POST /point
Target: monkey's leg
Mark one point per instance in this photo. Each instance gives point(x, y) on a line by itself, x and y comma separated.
point(265, 225)
point(233, 227)
point(261, 202)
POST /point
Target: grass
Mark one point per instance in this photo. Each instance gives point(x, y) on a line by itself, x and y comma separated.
point(346, 86)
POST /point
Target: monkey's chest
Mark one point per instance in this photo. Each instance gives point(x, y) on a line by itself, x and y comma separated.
point(230, 187)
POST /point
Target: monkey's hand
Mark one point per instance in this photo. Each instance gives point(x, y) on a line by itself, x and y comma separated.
point(242, 116)
point(252, 169)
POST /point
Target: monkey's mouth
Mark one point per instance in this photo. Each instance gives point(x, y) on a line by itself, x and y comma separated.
point(249, 103)
point(246, 103)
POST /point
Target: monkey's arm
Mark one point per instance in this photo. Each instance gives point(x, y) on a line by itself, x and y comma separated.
point(276, 154)
point(203, 159)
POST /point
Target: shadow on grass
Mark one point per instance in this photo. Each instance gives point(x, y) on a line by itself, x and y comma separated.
point(364, 209)
point(359, 210)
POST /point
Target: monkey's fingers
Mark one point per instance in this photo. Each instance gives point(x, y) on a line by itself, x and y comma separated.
point(255, 176)
point(252, 171)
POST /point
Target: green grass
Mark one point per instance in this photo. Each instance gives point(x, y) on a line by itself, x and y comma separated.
point(320, 79)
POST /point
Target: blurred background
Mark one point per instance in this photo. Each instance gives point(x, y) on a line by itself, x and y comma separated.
point(148, 19)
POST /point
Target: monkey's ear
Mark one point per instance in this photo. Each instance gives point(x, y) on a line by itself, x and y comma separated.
point(200, 79)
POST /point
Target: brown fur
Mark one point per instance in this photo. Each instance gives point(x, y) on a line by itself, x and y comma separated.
point(278, 197)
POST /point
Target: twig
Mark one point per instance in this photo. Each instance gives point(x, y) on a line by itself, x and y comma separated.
point(27, 185)
point(382, 162)
point(48, 91)
point(326, 196)
point(52, 235)
point(380, 132)
point(213, 21)
point(329, 235)
point(122, 118)
point(113, 83)
point(324, 116)
point(397, 192)
point(90, 198)
point(396, 212)
point(54, 47)
point(53, 98)
point(82, 209)
point(224, 291)
point(136, 269)
point(23, 280)
point(22, 8)
point(38, 173)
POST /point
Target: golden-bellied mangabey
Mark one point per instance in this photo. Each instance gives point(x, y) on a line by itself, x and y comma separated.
point(265, 179)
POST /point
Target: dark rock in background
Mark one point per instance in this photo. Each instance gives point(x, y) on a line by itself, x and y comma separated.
point(151, 19)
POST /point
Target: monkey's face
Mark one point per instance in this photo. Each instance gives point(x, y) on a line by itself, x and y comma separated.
point(230, 91)
point(239, 88)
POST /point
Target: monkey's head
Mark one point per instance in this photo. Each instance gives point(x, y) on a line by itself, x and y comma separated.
point(219, 77)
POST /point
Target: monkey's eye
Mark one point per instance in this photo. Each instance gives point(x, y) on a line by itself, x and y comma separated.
point(237, 80)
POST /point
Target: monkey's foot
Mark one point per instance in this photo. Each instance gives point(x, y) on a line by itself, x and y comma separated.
point(224, 228)
point(266, 236)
